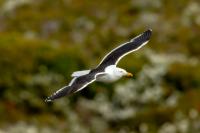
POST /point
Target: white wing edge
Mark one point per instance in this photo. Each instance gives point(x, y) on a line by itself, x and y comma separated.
point(131, 51)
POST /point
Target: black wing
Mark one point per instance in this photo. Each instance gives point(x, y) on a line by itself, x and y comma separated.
point(116, 54)
point(77, 84)
point(60, 93)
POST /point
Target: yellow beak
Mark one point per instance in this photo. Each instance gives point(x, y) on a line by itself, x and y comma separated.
point(129, 75)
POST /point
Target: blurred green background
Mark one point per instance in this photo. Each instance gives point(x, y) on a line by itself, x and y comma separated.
point(43, 41)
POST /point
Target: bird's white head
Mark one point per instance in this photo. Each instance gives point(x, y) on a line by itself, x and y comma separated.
point(121, 72)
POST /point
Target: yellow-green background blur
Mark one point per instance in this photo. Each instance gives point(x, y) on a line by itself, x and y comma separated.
point(43, 41)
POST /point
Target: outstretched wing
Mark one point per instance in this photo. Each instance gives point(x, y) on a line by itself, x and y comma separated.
point(116, 54)
point(75, 85)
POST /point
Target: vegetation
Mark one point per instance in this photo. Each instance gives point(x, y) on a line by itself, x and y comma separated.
point(43, 42)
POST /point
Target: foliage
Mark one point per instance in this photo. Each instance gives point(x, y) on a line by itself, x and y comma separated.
point(43, 42)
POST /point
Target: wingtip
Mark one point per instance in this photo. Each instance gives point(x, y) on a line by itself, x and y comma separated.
point(145, 35)
point(149, 31)
point(48, 99)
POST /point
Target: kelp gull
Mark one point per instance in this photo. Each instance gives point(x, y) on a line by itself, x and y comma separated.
point(106, 71)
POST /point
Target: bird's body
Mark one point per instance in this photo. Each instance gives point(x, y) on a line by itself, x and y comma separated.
point(112, 73)
point(106, 71)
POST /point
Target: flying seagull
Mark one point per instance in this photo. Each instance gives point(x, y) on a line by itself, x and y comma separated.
point(106, 71)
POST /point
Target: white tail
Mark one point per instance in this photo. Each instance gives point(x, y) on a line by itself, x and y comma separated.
point(80, 73)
